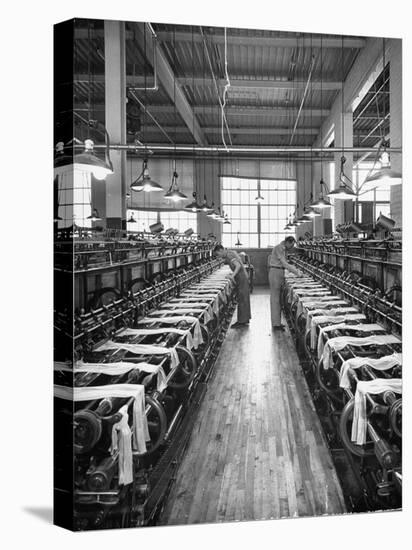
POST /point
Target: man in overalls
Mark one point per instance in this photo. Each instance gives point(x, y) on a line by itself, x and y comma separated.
point(277, 263)
point(239, 275)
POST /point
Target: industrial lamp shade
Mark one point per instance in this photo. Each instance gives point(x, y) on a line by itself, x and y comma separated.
point(173, 193)
point(343, 192)
point(193, 206)
point(94, 216)
point(144, 182)
point(212, 214)
point(311, 213)
point(321, 202)
point(385, 175)
point(131, 219)
point(86, 161)
point(205, 206)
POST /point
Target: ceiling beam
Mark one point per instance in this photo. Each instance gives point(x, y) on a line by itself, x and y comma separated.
point(249, 83)
point(239, 40)
point(256, 83)
point(355, 86)
point(244, 130)
point(265, 41)
point(234, 110)
point(172, 87)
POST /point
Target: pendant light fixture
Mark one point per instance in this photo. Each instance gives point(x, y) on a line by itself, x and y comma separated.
point(212, 214)
point(94, 216)
point(173, 192)
point(287, 226)
point(86, 161)
point(219, 216)
point(321, 202)
point(344, 191)
point(238, 243)
point(205, 207)
point(144, 182)
point(131, 219)
point(194, 205)
point(311, 212)
point(384, 175)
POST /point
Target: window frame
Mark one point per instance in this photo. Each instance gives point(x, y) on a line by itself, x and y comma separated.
point(261, 235)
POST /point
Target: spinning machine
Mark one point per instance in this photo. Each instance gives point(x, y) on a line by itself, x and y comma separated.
point(346, 317)
point(144, 350)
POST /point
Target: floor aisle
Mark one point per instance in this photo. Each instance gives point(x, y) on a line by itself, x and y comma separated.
point(257, 449)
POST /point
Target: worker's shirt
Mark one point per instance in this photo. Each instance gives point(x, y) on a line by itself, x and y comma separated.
point(278, 254)
point(232, 259)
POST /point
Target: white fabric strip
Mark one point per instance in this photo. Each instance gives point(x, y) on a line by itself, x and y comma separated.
point(181, 311)
point(382, 363)
point(153, 331)
point(373, 387)
point(320, 302)
point(116, 369)
point(361, 327)
point(122, 443)
point(338, 343)
point(136, 391)
point(213, 308)
point(315, 321)
point(141, 349)
point(173, 320)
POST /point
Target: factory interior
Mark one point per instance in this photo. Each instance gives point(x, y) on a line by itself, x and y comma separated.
point(199, 384)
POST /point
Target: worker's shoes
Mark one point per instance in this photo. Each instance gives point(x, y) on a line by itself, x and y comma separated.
point(239, 325)
point(278, 327)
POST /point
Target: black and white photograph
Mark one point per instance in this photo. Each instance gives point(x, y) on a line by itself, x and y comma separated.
point(228, 216)
point(206, 255)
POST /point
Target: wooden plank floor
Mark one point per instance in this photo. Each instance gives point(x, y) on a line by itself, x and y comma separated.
point(257, 450)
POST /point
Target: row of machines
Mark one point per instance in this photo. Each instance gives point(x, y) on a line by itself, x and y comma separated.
point(348, 335)
point(127, 398)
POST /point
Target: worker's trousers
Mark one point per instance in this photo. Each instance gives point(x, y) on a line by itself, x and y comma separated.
point(276, 279)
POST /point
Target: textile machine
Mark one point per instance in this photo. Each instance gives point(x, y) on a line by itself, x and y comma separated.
point(143, 353)
point(346, 317)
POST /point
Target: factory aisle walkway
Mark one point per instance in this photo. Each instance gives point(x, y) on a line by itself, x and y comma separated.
point(257, 450)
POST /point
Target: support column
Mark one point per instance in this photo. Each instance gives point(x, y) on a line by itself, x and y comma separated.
point(343, 209)
point(395, 129)
point(115, 112)
point(208, 183)
point(303, 183)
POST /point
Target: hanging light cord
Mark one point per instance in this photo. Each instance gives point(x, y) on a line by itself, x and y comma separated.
point(227, 86)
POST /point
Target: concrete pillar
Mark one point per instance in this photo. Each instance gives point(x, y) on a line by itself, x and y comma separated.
point(343, 139)
point(395, 129)
point(303, 185)
point(115, 117)
point(208, 182)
